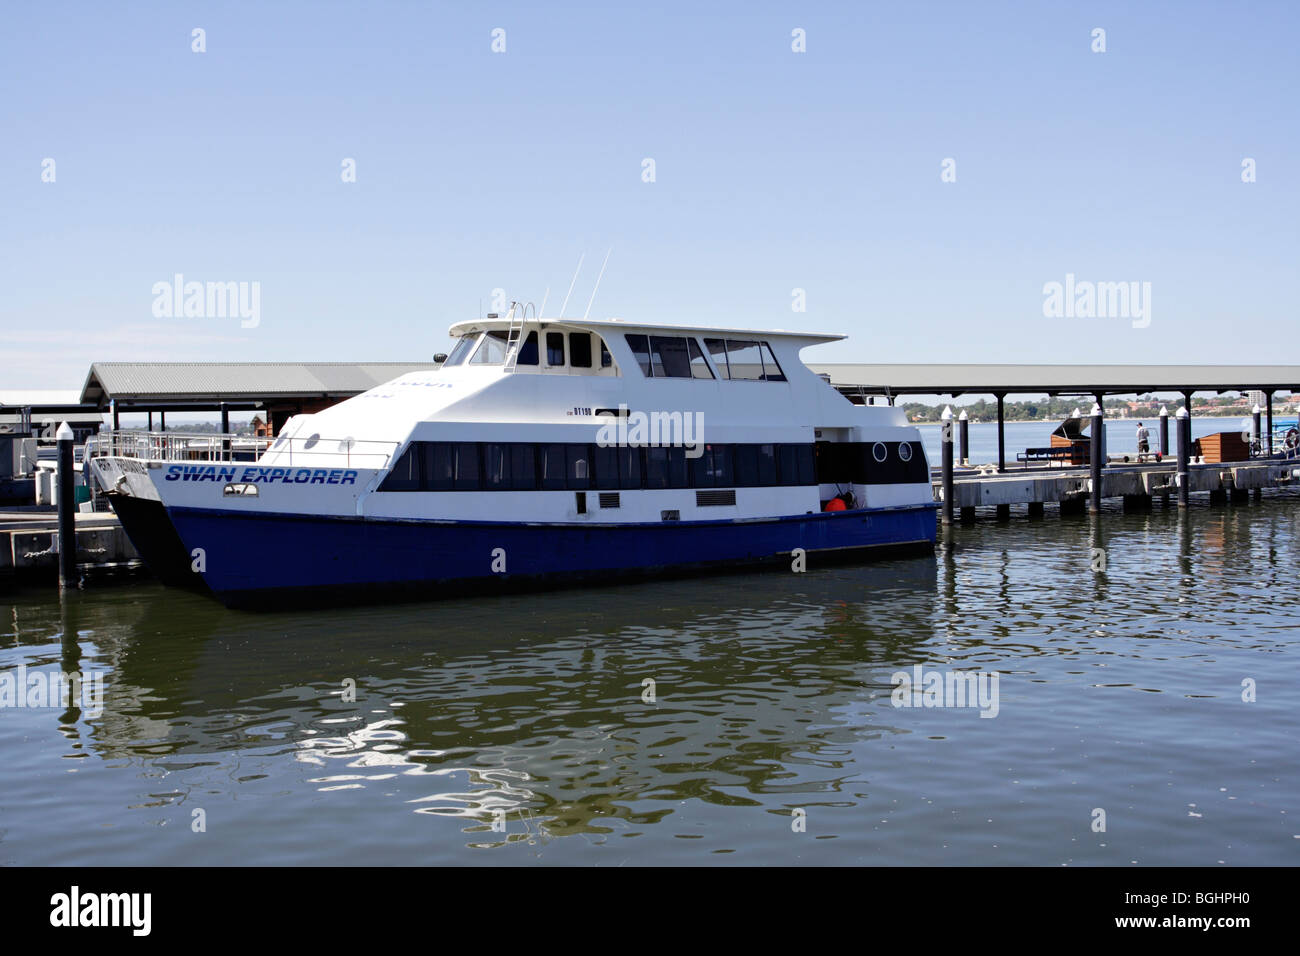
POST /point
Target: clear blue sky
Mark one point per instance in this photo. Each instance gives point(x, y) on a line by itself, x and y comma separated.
point(774, 171)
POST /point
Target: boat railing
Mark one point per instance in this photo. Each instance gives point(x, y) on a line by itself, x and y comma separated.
point(264, 450)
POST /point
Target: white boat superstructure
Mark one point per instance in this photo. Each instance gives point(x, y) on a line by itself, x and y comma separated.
point(717, 443)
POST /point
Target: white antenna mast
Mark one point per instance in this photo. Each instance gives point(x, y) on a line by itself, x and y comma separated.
point(597, 285)
point(575, 279)
point(543, 308)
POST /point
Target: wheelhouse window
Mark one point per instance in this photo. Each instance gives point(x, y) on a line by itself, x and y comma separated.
point(580, 349)
point(554, 348)
point(492, 350)
point(461, 351)
point(528, 351)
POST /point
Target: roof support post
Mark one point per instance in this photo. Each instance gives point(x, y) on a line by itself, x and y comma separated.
point(1002, 438)
point(225, 430)
point(1095, 459)
point(1268, 413)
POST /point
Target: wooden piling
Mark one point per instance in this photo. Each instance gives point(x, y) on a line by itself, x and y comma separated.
point(1184, 449)
point(1094, 459)
point(946, 437)
point(67, 505)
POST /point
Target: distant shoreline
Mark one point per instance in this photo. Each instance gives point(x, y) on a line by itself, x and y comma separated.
point(1110, 420)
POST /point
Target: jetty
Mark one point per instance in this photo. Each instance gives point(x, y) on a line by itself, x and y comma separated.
point(1040, 477)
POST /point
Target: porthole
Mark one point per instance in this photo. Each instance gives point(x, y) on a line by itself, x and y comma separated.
point(879, 451)
point(311, 441)
point(904, 451)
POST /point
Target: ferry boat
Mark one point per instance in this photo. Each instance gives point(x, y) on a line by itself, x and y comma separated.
point(542, 451)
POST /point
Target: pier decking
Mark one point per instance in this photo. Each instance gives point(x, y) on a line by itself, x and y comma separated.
point(29, 542)
point(1136, 484)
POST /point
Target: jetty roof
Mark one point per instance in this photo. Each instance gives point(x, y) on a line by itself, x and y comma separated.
point(958, 379)
point(212, 383)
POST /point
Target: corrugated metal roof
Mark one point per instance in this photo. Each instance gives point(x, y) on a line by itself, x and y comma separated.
point(235, 381)
point(1033, 379)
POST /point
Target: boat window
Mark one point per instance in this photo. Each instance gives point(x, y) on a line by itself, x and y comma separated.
point(795, 465)
point(554, 348)
point(579, 466)
point(556, 466)
point(745, 360)
point(669, 357)
point(718, 350)
point(580, 349)
point(553, 465)
point(771, 370)
point(766, 459)
point(656, 468)
point(440, 465)
point(496, 468)
point(405, 474)
point(678, 476)
point(606, 360)
point(605, 459)
point(492, 351)
point(629, 467)
point(461, 351)
point(807, 460)
point(640, 346)
point(713, 469)
point(528, 352)
point(467, 466)
point(523, 470)
point(699, 367)
point(746, 465)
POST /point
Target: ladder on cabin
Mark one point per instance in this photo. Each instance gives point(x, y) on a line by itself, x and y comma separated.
point(514, 336)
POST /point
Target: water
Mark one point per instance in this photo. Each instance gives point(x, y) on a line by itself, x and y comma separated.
point(1119, 691)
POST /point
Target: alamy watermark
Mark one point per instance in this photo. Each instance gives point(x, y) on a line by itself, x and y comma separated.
point(654, 430)
point(45, 689)
point(208, 300)
point(934, 688)
point(1098, 300)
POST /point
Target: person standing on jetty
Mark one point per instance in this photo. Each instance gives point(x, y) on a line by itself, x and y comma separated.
point(1144, 439)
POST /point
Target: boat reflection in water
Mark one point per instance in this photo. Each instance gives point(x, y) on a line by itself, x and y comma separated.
point(551, 714)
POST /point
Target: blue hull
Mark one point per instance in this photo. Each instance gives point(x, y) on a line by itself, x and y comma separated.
point(261, 559)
